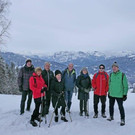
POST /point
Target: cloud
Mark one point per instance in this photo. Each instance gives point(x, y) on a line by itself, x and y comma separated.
point(49, 26)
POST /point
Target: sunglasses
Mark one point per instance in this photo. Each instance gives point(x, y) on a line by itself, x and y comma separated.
point(101, 68)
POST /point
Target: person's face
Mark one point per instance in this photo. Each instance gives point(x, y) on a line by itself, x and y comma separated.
point(101, 69)
point(70, 67)
point(115, 69)
point(58, 77)
point(38, 73)
point(47, 67)
point(29, 64)
point(85, 72)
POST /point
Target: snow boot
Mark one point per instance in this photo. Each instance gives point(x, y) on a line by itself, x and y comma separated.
point(103, 115)
point(21, 113)
point(122, 122)
point(33, 123)
point(81, 113)
point(86, 114)
point(38, 119)
point(64, 119)
point(56, 119)
point(110, 118)
point(95, 116)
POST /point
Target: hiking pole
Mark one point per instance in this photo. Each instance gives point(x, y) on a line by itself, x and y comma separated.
point(41, 109)
point(69, 112)
point(54, 110)
point(70, 116)
point(45, 107)
point(87, 107)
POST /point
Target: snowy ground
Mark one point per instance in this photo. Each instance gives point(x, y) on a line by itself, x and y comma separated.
point(12, 123)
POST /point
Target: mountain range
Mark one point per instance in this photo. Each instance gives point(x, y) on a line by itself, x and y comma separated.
point(91, 60)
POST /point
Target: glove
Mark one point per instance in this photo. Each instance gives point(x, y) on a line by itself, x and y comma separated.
point(109, 96)
point(43, 89)
point(82, 89)
point(92, 89)
point(86, 90)
point(20, 89)
point(62, 93)
point(124, 97)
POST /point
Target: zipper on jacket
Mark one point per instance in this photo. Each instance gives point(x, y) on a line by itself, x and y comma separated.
point(48, 80)
point(100, 83)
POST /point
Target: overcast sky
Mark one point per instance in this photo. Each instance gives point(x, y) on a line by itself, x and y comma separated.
point(42, 26)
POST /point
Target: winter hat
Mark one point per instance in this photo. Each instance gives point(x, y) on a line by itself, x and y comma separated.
point(115, 64)
point(38, 69)
point(102, 65)
point(84, 69)
point(28, 60)
point(57, 72)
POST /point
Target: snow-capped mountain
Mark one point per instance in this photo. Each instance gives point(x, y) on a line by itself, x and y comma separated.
point(91, 60)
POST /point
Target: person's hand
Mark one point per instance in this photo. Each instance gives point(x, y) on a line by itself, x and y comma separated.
point(82, 89)
point(43, 89)
point(109, 96)
point(124, 97)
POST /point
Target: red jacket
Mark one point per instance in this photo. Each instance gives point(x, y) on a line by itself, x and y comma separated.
point(36, 84)
point(100, 83)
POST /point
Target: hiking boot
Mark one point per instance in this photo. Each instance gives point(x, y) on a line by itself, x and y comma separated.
point(95, 116)
point(110, 118)
point(103, 115)
point(28, 109)
point(38, 119)
point(87, 114)
point(33, 123)
point(64, 119)
point(81, 113)
point(122, 122)
point(56, 119)
point(21, 113)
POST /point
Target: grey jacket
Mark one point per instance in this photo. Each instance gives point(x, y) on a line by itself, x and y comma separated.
point(24, 76)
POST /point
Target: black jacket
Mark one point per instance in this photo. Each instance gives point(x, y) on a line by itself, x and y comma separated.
point(84, 85)
point(57, 88)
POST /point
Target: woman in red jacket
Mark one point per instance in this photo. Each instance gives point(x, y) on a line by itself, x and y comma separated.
point(38, 87)
point(100, 84)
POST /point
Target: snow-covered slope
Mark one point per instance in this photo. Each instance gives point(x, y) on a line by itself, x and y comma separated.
point(11, 123)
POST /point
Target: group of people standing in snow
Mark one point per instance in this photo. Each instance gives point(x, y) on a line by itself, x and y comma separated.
point(58, 88)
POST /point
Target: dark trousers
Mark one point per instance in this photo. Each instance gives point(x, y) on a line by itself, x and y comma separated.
point(83, 105)
point(96, 101)
point(24, 96)
point(120, 105)
point(35, 114)
point(62, 111)
point(46, 106)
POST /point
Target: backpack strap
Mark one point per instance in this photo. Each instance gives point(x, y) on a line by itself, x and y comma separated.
point(97, 75)
point(122, 77)
point(35, 81)
point(104, 75)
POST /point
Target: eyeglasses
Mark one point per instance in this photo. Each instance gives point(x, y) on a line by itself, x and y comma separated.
point(101, 68)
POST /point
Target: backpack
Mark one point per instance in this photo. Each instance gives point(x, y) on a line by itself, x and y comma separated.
point(104, 75)
point(122, 78)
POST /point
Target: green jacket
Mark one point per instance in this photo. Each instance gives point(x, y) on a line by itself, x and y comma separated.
point(118, 85)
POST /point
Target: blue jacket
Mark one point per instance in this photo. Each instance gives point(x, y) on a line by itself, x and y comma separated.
point(69, 79)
